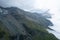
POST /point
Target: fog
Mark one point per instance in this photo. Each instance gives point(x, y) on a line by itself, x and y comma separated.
point(54, 6)
point(23, 4)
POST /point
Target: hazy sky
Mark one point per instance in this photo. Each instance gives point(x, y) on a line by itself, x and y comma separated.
point(30, 4)
point(24, 4)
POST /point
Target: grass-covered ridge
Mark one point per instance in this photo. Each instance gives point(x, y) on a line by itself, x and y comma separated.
point(37, 32)
point(41, 32)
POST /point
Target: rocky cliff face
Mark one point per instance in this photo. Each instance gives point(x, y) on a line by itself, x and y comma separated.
point(17, 24)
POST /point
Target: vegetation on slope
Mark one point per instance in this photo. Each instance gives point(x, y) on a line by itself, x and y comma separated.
point(39, 31)
point(35, 30)
point(3, 32)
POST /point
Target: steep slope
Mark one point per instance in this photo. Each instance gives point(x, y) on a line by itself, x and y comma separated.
point(16, 24)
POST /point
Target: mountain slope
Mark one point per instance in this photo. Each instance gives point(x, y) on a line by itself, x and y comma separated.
point(16, 24)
